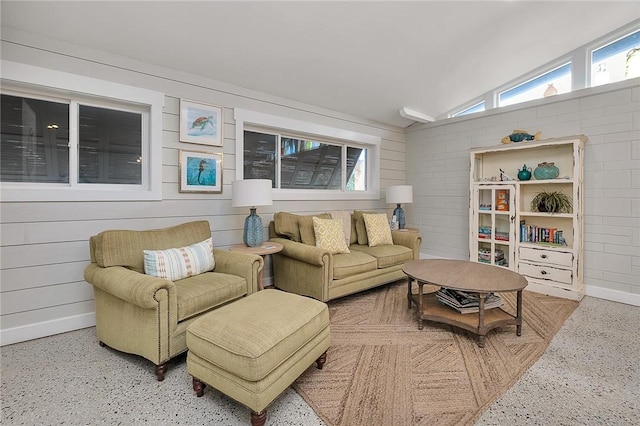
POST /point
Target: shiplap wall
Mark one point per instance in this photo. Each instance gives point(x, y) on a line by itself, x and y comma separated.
point(44, 246)
point(438, 168)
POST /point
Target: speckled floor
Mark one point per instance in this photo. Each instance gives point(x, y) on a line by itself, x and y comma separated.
point(590, 375)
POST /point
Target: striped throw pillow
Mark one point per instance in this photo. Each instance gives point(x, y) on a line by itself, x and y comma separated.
point(177, 263)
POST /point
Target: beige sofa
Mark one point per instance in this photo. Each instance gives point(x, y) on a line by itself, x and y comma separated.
point(305, 269)
point(148, 316)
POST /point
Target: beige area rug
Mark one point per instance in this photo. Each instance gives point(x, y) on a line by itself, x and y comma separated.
point(382, 370)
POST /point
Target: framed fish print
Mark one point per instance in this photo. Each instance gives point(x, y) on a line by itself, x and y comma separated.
point(201, 123)
point(200, 172)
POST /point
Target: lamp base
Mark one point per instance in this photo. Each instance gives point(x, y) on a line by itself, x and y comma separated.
point(252, 234)
point(399, 214)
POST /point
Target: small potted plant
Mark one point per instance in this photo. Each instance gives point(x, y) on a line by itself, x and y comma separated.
point(552, 202)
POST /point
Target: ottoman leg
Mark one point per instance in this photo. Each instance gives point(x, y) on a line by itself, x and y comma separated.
point(198, 386)
point(258, 419)
point(320, 361)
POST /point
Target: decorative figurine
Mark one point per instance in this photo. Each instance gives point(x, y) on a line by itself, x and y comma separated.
point(519, 136)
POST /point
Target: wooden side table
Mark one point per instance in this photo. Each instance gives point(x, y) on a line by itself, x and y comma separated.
point(268, 247)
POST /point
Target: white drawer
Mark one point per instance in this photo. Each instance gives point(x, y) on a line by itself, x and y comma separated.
point(545, 272)
point(546, 256)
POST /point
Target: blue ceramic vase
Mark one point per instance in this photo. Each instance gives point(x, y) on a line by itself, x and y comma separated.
point(525, 173)
point(546, 171)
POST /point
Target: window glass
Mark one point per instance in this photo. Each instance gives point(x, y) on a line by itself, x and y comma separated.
point(34, 143)
point(303, 163)
point(616, 61)
point(356, 169)
point(310, 164)
point(110, 146)
point(260, 156)
point(479, 107)
point(550, 83)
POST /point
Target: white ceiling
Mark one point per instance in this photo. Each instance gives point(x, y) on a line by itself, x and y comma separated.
point(363, 58)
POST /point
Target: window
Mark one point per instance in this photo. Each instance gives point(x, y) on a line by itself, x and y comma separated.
point(58, 143)
point(304, 163)
point(34, 142)
point(550, 83)
point(479, 107)
point(616, 61)
point(305, 160)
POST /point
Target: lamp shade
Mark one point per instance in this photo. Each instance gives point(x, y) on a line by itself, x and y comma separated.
point(400, 194)
point(251, 193)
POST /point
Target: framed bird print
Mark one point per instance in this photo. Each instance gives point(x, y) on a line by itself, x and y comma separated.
point(201, 123)
point(200, 172)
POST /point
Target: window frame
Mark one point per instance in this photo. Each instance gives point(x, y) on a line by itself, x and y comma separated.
point(258, 121)
point(42, 83)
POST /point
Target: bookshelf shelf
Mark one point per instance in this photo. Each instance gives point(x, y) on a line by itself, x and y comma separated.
point(544, 247)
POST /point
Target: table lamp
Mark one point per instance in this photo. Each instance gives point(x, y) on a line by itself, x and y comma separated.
point(399, 194)
point(251, 193)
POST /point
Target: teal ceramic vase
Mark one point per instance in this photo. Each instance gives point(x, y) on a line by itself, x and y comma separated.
point(546, 171)
point(525, 173)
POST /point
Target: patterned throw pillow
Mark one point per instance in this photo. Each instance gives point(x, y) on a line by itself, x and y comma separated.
point(177, 263)
point(378, 230)
point(329, 235)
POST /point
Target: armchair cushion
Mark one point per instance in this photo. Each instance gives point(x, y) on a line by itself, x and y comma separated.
point(178, 263)
point(201, 293)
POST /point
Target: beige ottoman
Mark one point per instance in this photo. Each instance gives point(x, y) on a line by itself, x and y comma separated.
point(254, 348)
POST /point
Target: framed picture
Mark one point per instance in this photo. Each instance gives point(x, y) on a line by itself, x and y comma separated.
point(201, 123)
point(200, 172)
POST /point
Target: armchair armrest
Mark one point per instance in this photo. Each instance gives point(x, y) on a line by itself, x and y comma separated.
point(242, 264)
point(130, 286)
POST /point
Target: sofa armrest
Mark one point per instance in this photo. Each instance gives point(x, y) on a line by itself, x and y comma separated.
point(303, 252)
point(130, 286)
point(245, 265)
point(411, 240)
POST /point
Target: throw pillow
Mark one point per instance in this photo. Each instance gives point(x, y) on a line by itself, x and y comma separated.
point(329, 235)
point(378, 229)
point(361, 229)
point(345, 217)
point(177, 263)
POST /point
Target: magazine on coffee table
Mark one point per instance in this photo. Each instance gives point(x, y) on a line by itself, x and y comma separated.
point(466, 302)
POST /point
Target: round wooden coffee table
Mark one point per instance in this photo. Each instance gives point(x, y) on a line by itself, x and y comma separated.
point(467, 276)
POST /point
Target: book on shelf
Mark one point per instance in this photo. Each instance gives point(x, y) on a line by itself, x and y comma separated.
point(467, 302)
point(539, 235)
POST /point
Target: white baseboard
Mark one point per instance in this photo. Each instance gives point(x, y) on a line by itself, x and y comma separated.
point(613, 295)
point(46, 328)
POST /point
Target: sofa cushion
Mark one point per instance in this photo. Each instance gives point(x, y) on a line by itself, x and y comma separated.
point(235, 340)
point(307, 233)
point(386, 255)
point(330, 235)
point(356, 262)
point(126, 247)
point(296, 227)
point(345, 217)
point(361, 229)
point(206, 291)
point(178, 263)
point(378, 229)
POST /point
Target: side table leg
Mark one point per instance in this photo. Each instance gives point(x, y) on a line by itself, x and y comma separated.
point(519, 313)
point(409, 281)
point(420, 286)
point(481, 329)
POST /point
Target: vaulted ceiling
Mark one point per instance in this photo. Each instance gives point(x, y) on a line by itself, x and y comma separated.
point(364, 58)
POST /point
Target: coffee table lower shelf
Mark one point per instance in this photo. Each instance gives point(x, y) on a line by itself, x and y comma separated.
point(433, 310)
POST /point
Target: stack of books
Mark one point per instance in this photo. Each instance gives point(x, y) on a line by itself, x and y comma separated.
point(465, 302)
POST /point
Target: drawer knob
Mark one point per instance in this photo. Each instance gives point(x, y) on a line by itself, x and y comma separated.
point(543, 272)
point(544, 256)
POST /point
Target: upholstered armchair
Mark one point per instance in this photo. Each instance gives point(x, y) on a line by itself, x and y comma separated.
point(147, 315)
